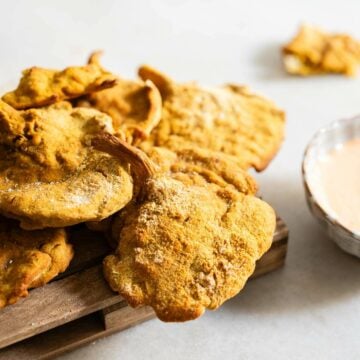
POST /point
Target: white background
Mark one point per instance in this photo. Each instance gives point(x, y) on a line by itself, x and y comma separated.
point(311, 308)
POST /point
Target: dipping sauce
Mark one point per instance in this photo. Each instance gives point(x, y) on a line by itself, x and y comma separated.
point(335, 182)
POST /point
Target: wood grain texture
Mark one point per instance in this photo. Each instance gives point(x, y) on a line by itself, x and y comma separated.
point(64, 305)
point(122, 314)
point(65, 338)
point(55, 304)
point(276, 256)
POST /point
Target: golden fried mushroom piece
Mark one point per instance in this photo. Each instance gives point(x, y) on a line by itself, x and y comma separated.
point(188, 244)
point(39, 87)
point(50, 176)
point(29, 259)
point(312, 51)
point(134, 106)
point(229, 119)
point(212, 165)
point(188, 248)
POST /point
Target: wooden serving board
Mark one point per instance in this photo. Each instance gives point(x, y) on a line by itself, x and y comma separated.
point(78, 307)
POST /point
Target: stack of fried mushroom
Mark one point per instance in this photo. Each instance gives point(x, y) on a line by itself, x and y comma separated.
point(158, 166)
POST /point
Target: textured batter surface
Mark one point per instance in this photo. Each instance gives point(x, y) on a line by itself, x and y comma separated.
point(212, 165)
point(190, 242)
point(312, 51)
point(188, 247)
point(29, 259)
point(50, 176)
point(229, 119)
point(40, 87)
point(134, 106)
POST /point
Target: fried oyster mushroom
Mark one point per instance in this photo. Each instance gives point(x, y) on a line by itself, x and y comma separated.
point(40, 87)
point(213, 165)
point(50, 176)
point(134, 106)
point(29, 259)
point(229, 119)
point(313, 51)
point(189, 242)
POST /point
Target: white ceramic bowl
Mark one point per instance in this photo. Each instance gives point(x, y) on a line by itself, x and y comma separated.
point(326, 139)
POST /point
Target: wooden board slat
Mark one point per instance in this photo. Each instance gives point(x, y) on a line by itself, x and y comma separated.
point(275, 257)
point(64, 305)
point(70, 336)
point(272, 260)
point(122, 314)
point(65, 337)
point(55, 304)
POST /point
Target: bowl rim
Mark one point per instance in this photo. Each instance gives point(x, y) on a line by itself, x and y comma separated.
point(309, 194)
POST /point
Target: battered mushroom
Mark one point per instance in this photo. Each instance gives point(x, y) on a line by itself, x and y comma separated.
point(189, 242)
point(50, 176)
point(134, 106)
point(312, 51)
point(229, 119)
point(39, 87)
point(29, 259)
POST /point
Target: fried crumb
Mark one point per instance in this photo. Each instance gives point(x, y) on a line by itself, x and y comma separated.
point(313, 51)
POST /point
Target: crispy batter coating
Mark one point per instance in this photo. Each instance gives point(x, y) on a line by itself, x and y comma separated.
point(134, 106)
point(229, 119)
point(40, 87)
point(188, 248)
point(29, 259)
point(50, 176)
point(214, 166)
point(313, 51)
point(190, 242)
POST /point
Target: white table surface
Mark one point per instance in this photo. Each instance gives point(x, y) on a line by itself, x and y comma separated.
point(310, 308)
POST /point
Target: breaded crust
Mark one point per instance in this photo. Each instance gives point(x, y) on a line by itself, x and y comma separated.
point(216, 166)
point(313, 51)
point(40, 87)
point(228, 119)
point(188, 248)
point(134, 106)
point(29, 259)
point(190, 239)
point(50, 176)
